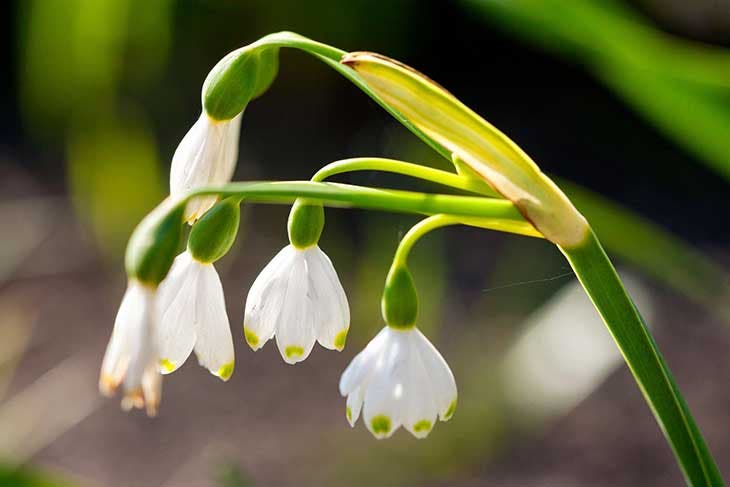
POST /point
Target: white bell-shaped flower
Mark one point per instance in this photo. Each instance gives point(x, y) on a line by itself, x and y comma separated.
point(399, 379)
point(192, 316)
point(206, 155)
point(131, 356)
point(297, 297)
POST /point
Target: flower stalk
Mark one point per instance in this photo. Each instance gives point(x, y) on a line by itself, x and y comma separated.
point(298, 297)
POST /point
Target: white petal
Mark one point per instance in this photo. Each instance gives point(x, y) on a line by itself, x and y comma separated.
point(131, 357)
point(116, 357)
point(152, 389)
point(420, 411)
point(442, 379)
point(354, 405)
point(364, 363)
point(383, 405)
point(206, 155)
point(295, 334)
point(176, 302)
point(265, 298)
point(142, 339)
point(231, 131)
point(332, 317)
point(214, 345)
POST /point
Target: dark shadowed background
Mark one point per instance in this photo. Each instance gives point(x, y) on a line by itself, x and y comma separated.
point(627, 103)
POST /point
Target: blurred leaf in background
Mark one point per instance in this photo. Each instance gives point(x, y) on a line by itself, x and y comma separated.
point(80, 61)
point(679, 85)
point(28, 477)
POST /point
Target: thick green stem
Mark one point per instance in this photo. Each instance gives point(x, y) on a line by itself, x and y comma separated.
point(602, 284)
point(495, 214)
point(407, 169)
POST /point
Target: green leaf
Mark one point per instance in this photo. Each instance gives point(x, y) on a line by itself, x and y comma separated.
point(667, 76)
point(598, 277)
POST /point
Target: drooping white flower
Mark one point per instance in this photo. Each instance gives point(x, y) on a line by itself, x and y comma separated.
point(206, 155)
point(399, 379)
point(299, 299)
point(192, 316)
point(131, 356)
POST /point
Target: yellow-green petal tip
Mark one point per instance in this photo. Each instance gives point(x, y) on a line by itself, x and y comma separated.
point(225, 371)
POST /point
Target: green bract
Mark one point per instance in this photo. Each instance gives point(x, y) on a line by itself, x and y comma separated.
point(474, 142)
point(306, 221)
point(213, 235)
point(154, 243)
point(400, 299)
point(238, 78)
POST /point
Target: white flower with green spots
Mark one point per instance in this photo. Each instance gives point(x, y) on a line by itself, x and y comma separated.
point(399, 379)
point(131, 356)
point(192, 316)
point(299, 299)
point(206, 155)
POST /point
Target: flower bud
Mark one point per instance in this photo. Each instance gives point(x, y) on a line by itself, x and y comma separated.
point(213, 235)
point(155, 243)
point(495, 158)
point(400, 300)
point(306, 221)
point(238, 78)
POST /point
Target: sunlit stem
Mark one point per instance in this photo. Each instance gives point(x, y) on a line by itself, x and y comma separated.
point(418, 171)
point(491, 213)
point(417, 231)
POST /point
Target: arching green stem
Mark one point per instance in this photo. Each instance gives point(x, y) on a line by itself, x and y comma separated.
point(491, 213)
point(417, 231)
point(332, 57)
point(438, 176)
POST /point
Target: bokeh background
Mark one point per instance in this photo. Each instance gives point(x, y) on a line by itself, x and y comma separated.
point(627, 103)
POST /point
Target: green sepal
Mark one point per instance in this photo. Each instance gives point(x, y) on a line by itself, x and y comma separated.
point(155, 243)
point(237, 79)
point(400, 299)
point(306, 222)
point(213, 234)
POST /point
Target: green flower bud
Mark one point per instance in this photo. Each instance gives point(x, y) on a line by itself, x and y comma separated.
point(155, 243)
point(306, 221)
point(213, 235)
point(237, 79)
point(400, 300)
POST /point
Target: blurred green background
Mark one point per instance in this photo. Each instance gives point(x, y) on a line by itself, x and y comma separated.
point(627, 103)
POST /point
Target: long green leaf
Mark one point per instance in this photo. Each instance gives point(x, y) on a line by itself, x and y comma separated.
point(598, 276)
point(662, 77)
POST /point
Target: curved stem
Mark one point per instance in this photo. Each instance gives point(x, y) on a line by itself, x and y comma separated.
point(332, 56)
point(407, 169)
point(491, 213)
point(417, 231)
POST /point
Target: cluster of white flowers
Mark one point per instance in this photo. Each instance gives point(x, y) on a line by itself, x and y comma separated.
point(398, 379)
